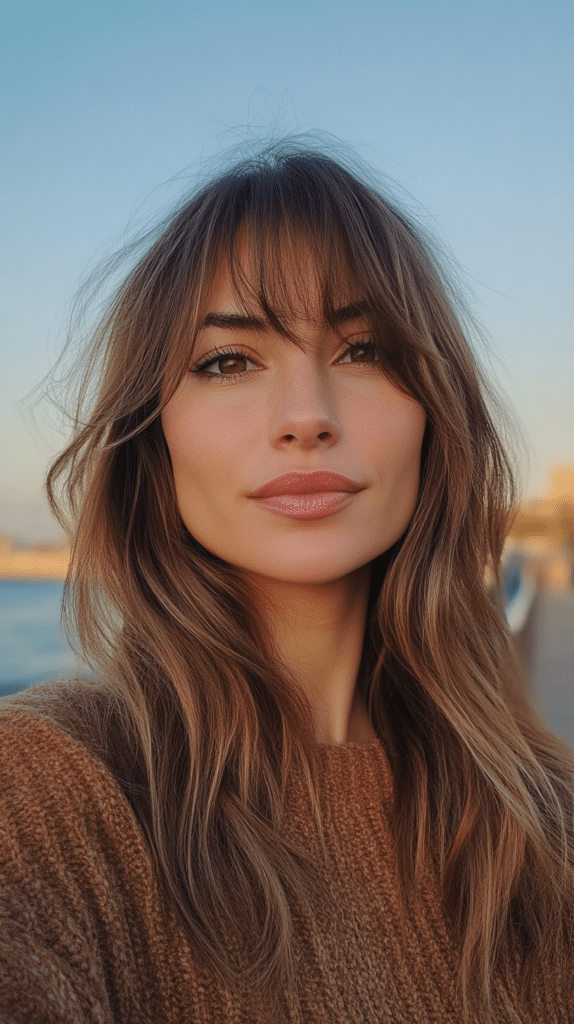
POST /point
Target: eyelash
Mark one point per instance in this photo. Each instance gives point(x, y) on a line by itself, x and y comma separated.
point(201, 371)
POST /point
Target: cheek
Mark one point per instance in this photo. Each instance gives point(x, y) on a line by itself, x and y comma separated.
point(400, 464)
point(410, 432)
point(205, 448)
point(395, 431)
point(182, 435)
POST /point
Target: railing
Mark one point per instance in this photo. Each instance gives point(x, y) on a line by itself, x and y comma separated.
point(517, 599)
point(519, 591)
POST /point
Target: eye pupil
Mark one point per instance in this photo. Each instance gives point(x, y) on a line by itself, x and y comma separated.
point(233, 360)
point(360, 351)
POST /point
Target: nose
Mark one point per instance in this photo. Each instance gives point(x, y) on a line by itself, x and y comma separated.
point(303, 413)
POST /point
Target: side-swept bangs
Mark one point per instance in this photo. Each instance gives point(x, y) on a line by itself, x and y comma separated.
point(302, 236)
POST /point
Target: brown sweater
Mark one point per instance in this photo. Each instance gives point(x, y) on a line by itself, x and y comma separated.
point(86, 936)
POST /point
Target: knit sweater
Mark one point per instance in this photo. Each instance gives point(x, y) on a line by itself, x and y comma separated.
point(86, 936)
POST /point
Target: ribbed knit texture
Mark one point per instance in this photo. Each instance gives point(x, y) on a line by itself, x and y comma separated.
point(85, 935)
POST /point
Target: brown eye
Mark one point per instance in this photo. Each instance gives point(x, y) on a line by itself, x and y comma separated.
point(226, 366)
point(361, 352)
point(231, 364)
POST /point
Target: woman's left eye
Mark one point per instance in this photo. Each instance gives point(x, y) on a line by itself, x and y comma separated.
point(361, 348)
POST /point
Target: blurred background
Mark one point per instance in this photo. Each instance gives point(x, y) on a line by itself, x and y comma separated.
point(111, 111)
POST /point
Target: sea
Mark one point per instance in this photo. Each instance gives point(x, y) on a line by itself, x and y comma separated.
point(33, 648)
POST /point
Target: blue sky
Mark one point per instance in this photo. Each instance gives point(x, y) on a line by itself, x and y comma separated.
point(467, 106)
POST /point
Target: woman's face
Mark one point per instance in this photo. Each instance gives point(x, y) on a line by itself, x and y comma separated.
point(320, 408)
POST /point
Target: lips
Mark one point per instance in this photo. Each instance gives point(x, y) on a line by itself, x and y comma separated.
point(316, 482)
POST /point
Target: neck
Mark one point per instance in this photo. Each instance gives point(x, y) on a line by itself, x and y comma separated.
point(319, 631)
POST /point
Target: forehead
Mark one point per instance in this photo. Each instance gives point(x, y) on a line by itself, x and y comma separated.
point(280, 279)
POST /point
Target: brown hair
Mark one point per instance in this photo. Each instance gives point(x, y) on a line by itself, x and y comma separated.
point(480, 785)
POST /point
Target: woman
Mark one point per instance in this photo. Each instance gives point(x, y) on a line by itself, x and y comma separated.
point(303, 785)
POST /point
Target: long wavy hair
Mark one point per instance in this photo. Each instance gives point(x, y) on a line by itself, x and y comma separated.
point(187, 661)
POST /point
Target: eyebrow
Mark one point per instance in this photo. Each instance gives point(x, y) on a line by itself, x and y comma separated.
point(243, 322)
point(354, 311)
point(235, 321)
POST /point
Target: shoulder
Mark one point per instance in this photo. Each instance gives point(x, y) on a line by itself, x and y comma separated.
point(57, 790)
point(47, 727)
point(74, 866)
point(73, 718)
point(51, 780)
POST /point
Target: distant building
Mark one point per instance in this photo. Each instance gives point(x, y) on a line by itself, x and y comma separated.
point(561, 483)
point(544, 530)
point(45, 562)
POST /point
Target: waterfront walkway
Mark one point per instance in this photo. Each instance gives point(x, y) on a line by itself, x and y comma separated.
point(552, 673)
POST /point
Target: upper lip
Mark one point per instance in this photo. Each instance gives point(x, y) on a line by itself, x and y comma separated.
point(306, 483)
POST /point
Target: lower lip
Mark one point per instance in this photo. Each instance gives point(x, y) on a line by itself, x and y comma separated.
point(307, 506)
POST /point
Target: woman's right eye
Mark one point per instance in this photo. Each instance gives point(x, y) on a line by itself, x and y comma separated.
point(232, 364)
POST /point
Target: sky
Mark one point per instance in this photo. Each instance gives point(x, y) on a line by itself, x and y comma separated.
point(110, 109)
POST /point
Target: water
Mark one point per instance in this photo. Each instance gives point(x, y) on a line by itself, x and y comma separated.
point(32, 646)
